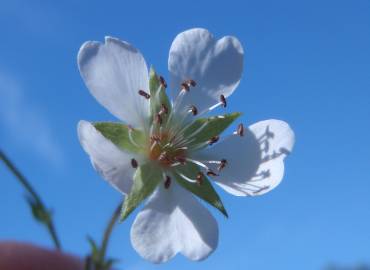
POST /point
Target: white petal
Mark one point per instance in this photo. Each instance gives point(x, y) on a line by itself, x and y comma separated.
point(113, 164)
point(255, 162)
point(172, 222)
point(215, 65)
point(114, 72)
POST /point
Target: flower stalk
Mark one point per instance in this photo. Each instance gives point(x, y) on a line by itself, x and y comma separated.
point(97, 260)
point(39, 210)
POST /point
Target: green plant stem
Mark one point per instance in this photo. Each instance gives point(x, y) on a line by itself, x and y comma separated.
point(49, 223)
point(108, 231)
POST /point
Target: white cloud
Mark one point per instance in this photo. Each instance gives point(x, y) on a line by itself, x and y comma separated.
point(26, 122)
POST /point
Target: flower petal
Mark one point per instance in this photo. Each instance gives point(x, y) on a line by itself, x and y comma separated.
point(112, 164)
point(255, 162)
point(114, 72)
point(215, 65)
point(172, 222)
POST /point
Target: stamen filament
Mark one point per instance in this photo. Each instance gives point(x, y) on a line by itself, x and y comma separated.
point(187, 178)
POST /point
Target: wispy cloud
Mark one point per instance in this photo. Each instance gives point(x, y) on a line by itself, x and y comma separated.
point(37, 18)
point(25, 122)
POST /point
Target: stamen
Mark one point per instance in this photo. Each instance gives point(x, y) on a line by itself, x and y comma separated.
point(155, 138)
point(223, 101)
point(198, 163)
point(240, 130)
point(163, 110)
point(167, 182)
point(191, 82)
point(200, 178)
point(212, 161)
point(163, 156)
point(222, 164)
point(144, 94)
point(163, 82)
point(211, 173)
point(180, 159)
point(193, 109)
point(130, 130)
point(213, 140)
point(185, 87)
point(187, 178)
point(134, 163)
point(158, 119)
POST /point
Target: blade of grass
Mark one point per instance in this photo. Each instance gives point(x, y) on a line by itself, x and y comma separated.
point(36, 200)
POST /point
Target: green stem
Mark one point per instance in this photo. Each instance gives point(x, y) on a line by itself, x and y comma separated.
point(108, 231)
point(49, 223)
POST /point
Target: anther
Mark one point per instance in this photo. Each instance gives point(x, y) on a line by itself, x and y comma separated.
point(163, 110)
point(163, 82)
point(185, 86)
point(213, 140)
point(158, 119)
point(191, 82)
point(144, 94)
point(223, 101)
point(211, 173)
point(134, 163)
point(167, 182)
point(200, 178)
point(130, 128)
point(193, 110)
point(240, 130)
point(155, 138)
point(222, 164)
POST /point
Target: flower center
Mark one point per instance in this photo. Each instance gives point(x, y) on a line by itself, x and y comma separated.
point(164, 152)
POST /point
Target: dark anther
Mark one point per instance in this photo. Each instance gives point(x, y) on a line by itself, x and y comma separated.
point(155, 138)
point(163, 110)
point(185, 86)
point(130, 128)
point(163, 82)
point(167, 182)
point(222, 164)
point(213, 140)
point(240, 130)
point(180, 159)
point(200, 178)
point(211, 173)
point(192, 83)
point(158, 119)
point(194, 110)
point(223, 101)
point(144, 94)
point(134, 163)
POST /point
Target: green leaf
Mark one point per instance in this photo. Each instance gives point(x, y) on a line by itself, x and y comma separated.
point(210, 127)
point(158, 94)
point(146, 179)
point(205, 190)
point(119, 134)
point(109, 263)
point(95, 253)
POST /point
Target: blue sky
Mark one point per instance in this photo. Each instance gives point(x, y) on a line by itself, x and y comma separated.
point(306, 62)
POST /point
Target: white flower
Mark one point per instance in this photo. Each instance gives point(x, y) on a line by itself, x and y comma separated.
point(164, 142)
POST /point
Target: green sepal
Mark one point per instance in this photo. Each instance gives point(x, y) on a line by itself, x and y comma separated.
point(146, 179)
point(158, 94)
point(205, 190)
point(215, 125)
point(119, 134)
